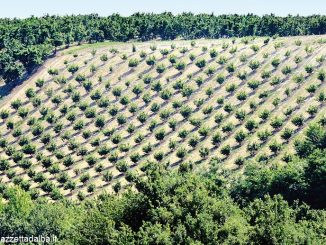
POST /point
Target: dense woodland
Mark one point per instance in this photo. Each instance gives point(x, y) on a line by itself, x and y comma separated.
point(285, 205)
point(25, 43)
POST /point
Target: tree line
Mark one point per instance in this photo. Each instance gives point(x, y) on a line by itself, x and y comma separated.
point(282, 205)
point(26, 43)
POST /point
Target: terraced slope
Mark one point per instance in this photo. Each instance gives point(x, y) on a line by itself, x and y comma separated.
point(95, 118)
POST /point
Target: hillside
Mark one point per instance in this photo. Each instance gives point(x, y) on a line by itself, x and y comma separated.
point(94, 117)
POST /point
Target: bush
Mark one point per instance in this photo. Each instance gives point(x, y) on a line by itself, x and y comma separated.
point(203, 152)
point(159, 156)
point(216, 138)
point(254, 65)
point(213, 53)
point(230, 68)
point(226, 150)
point(201, 63)
point(321, 75)
point(91, 160)
point(263, 135)
point(277, 122)
point(286, 70)
point(16, 104)
point(275, 147)
point(142, 117)
point(180, 66)
point(133, 62)
point(181, 153)
point(100, 121)
point(240, 136)
point(73, 68)
point(193, 141)
point(185, 111)
point(276, 62)
point(159, 135)
point(251, 125)
point(203, 131)
point(122, 166)
point(253, 84)
point(135, 157)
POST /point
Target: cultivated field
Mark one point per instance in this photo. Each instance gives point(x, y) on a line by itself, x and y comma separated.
point(94, 118)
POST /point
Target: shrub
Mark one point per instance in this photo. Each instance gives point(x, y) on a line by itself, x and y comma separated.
point(16, 104)
point(29, 149)
point(91, 160)
point(201, 63)
point(135, 157)
point(228, 127)
point(254, 65)
point(156, 86)
point(230, 88)
point(133, 63)
point(222, 60)
point(242, 96)
point(263, 135)
point(240, 136)
point(192, 57)
point(116, 91)
point(253, 84)
point(276, 122)
point(37, 129)
point(147, 148)
point(73, 68)
point(242, 75)
point(276, 62)
point(230, 68)
point(4, 164)
point(23, 112)
point(172, 124)
point(228, 108)
point(180, 66)
point(312, 110)
point(183, 133)
point(321, 75)
point(203, 152)
point(100, 121)
point(193, 141)
point(275, 147)
point(159, 156)
point(251, 125)
point(226, 150)
point(286, 70)
point(203, 131)
point(185, 111)
point(265, 74)
point(107, 176)
point(142, 117)
point(253, 147)
point(113, 157)
point(165, 114)
point(181, 152)
point(166, 94)
point(264, 114)
point(160, 134)
point(4, 114)
point(187, 91)
point(53, 71)
point(220, 78)
point(218, 118)
point(151, 60)
point(122, 166)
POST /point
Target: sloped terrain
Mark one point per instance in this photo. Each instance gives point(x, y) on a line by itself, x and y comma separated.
point(97, 117)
